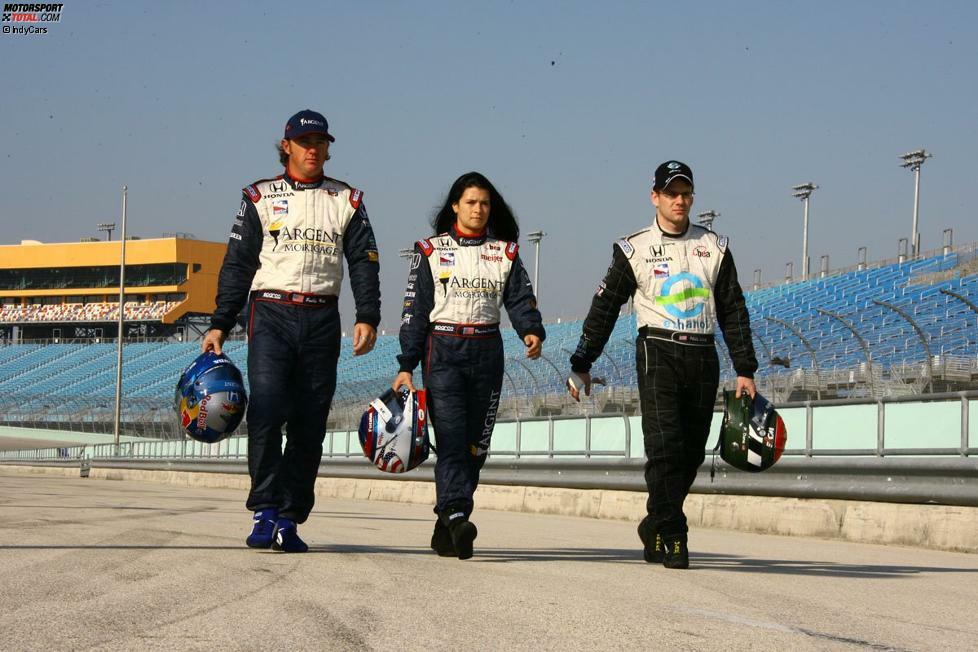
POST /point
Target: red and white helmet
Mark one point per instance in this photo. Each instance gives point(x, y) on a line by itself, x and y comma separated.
point(394, 430)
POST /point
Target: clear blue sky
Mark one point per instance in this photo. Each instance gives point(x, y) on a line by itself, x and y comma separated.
point(566, 106)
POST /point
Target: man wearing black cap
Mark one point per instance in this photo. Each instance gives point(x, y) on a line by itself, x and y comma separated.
point(684, 283)
point(285, 257)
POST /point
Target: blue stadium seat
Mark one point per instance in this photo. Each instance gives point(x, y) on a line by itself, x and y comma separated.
point(81, 377)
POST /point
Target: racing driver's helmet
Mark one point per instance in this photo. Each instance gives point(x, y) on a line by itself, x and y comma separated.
point(210, 398)
point(394, 430)
point(753, 434)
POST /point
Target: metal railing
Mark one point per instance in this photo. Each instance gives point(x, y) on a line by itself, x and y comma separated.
point(881, 449)
point(924, 475)
point(524, 396)
point(235, 448)
point(964, 252)
point(921, 480)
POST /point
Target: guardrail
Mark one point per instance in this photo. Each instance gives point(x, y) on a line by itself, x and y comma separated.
point(565, 451)
point(573, 436)
point(938, 481)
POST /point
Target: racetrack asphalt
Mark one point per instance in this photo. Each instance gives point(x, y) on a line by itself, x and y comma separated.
point(123, 565)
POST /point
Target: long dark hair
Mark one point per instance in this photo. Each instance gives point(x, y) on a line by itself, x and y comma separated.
point(502, 222)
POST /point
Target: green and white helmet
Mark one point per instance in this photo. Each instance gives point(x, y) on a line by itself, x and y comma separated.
point(753, 434)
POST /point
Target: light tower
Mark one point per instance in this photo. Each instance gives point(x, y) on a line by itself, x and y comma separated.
point(707, 217)
point(535, 237)
point(804, 193)
point(914, 160)
point(107, 227)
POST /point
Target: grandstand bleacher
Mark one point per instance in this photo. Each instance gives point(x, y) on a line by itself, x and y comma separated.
point(52, 384)
point(69, 290)
point(102, 311)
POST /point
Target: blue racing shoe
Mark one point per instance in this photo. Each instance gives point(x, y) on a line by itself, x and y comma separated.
point(264, 528)
point(286, 537)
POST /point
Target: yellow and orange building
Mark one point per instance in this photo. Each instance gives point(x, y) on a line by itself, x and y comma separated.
point(44, 287)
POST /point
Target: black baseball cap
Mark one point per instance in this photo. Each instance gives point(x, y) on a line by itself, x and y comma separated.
point(669, 171)
point(307, 122)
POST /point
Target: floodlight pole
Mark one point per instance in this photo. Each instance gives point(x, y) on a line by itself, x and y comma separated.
point(804, 193)
point(107, 227)
point(406, 254)
point(535, 237)
point(914, 160)
point(707, 217)
point(121, 324)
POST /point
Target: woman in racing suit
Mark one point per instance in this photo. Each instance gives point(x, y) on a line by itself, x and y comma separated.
point(459, 280)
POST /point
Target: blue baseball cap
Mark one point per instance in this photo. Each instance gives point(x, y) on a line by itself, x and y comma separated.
point(307, 122)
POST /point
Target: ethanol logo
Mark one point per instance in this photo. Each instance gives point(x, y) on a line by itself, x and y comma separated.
point(683, 289)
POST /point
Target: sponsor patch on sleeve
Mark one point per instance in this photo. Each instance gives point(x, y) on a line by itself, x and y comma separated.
point(252, 192)
point(511, 250)
point(626, 247)
point(426, 246)
point(242, 209)
point(356, 196)
point(722, 242)
point(372, 256)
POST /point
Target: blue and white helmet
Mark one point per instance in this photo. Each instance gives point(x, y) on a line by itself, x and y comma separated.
point(394, 430)
point(210, 398)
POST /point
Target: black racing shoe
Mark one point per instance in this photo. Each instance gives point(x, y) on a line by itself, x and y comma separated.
point(463, 533)
point(263, 530)
point(441, 540)
point(287, 537)
point(652, 547)
point(677, 553)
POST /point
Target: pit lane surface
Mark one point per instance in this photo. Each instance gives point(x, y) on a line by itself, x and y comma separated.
point(119, 565)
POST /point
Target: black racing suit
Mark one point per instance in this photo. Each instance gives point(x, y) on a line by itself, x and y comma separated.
point(678, 373)
point(461, 349)
point(293, 323)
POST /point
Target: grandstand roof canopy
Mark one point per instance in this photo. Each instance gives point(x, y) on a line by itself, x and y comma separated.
point(160, 266)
